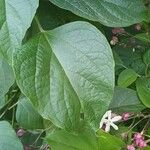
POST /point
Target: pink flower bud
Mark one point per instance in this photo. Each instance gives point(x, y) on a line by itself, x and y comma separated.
point(26, 148)
point(142, 144)
point(20, 132)
point(125, 116)
point(114, 40)
point(138, 136)
point(137, 141)
point(130, 147)
point(138, 27)
point(118, 30)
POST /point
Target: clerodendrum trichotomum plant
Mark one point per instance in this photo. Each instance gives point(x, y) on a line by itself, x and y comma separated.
point(75, 74)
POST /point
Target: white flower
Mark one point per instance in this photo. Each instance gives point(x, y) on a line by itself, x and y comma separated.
point(108, 121)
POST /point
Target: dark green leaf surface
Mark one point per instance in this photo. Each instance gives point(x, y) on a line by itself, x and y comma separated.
point(127, 77)
point(118, 61)
point(6, 80)
point(26, 115)
point(112, 13)
point(126, 100)
point(146, 57)
point(15, 19)
point(58, 68)
point(85, 140)
point(143, 89)
point(131, 59)
point(8, 138)
point(143, 37)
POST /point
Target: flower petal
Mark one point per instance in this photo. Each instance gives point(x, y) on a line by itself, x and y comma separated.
point(107, 129)
point(106, 114)
point(109, 114)
point(114, 126)
point(103, 121)
point(116, 118)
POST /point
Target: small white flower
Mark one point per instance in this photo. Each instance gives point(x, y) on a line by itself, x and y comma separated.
point(108, 120)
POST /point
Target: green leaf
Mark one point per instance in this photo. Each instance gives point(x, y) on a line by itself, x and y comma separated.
point(16, 17)
point(51, 16)
point(131, 58)
point(26, 115)
point(6, 80)
point(85, 140)
point(8, 138)
point(143, 37)
point(58, 68)
point(147, 148)
point(127, 77)
point(113, 13)
point(113, 144)
point(125, 100)
point(146, 57)
point(143, 89)
point(118, 61)
point(33, 138)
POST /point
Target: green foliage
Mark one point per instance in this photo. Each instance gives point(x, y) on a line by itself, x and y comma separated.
point(127, 77)
point(67, 82)
point(85, 140)
point(26, 115)
point(143, 89)
point(112, 13)
point(6, 80)
point(143, 37)
point(8, 138)
point(61, 80)
point(146, 58)
point(114, 142)
point(14, 22)
point(125, 100)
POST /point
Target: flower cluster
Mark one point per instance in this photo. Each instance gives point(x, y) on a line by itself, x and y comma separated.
point(138, 141)
point(109, 119)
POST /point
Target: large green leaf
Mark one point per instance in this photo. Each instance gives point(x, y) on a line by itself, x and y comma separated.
point(8, 138)
point(114, 142)
point(6, 80)
point(85, 140)
point(127, 77)
point(143, 89)
point(15, 19)
point(58, 68)
point(112, 13)
point(126, 100)
point(26, 115)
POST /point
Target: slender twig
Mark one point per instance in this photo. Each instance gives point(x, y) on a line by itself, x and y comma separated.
point(146, 126)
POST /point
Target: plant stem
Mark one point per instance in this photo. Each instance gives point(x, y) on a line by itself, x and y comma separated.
point(146, 126)
point(13, 117)
point(38, 25)
point(13, 105)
